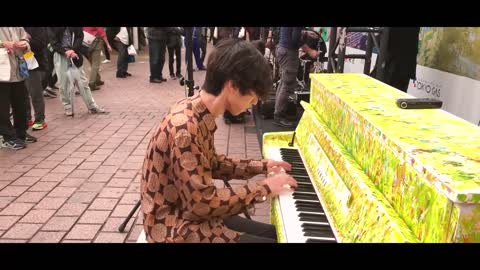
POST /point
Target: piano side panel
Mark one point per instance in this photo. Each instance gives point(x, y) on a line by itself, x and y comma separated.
point(360, 215)
point(466, 219)
point(276, 220)
point(276, 140)
point(414, 195)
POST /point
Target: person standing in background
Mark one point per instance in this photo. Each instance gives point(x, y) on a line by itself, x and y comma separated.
point(157, 43)
point(174, 45)
point(38, 43)
point(94, 55)
point(13, 44)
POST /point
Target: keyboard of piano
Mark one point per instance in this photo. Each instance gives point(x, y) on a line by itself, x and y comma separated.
point(304, 218)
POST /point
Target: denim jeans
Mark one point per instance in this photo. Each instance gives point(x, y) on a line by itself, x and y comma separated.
point(156, 51)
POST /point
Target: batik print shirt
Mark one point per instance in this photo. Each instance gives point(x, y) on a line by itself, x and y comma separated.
point(179, 199)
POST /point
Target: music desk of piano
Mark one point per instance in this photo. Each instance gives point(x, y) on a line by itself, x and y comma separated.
point(369, 171)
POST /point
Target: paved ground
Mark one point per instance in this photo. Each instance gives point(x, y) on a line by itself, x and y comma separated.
point(81, 179)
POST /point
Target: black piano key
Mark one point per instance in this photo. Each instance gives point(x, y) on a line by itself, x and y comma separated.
point(290, 154)
point(297, 164)
point(316, 227)
point(309, 209)
point(301, 179)
point(291, 157)
point(313, 217)
point(303, 196)
point(299, 176)
point(308, 204)
point(294, 155)
point(305, 189)
point(298, 172)
point(306, 184)
point(313, 240)
point(319, 234)
point(292, 160)
point(325, 232)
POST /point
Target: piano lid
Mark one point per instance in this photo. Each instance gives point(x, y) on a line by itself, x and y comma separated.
point(440, 146)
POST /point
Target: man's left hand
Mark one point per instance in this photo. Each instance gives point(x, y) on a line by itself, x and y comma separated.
point(273, 165)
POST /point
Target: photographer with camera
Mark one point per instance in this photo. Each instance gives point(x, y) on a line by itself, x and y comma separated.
point(291, 40)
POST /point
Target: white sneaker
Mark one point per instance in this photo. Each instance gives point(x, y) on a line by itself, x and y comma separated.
point(106, 61)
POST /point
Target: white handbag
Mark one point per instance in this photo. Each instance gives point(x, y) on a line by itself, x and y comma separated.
point(88, 39)
point(131, 50)
point(4, 65)
point(241, 34)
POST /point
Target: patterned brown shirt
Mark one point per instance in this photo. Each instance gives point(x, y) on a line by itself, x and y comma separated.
point(179, 199)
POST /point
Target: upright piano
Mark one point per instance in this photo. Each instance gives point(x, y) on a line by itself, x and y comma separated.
point(369, 171)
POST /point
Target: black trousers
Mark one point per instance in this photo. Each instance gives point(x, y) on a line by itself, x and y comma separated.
point(156, 53)
point(13, 94)
point(177, 52)
point(50, 78)
point(254, 231)
point(122, 60)
point(203, 48)
point(35, 91)
point(105, 51)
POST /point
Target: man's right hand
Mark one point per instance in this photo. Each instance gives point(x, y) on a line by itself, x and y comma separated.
point(69, 53)
point(8, 45)
point(280, 182)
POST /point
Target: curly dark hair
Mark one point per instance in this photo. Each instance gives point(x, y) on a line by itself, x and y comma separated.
point(240, 62)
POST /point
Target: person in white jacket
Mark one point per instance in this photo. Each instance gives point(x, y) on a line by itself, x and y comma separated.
point(13, 44)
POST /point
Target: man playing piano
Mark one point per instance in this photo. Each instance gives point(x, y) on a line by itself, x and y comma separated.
point(179, 199)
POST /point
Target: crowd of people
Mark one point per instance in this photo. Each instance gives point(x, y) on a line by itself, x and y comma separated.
point(58, 50)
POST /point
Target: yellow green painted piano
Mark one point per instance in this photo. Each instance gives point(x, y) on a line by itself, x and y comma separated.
point(369, 171)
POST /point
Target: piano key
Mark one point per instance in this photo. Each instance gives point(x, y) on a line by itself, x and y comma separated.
point(320, 240)
point(298, 172)
point(309, 209)
point(305, 196)
point(313, 217)
point(306, 189)
point(316, 226)
point(300, 178)
point(308, 204)
point(288, 150)
point(320, 234)
point(309, 184)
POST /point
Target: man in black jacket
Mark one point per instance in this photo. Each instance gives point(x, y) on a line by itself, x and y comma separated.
point(157, 43)
point(401, 57)
point(121, 38)
point(174, 45)
point(38, 44)
point(50, 78)
point(66, 43)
